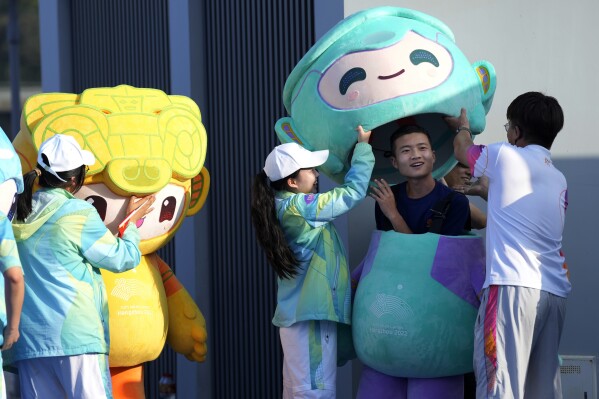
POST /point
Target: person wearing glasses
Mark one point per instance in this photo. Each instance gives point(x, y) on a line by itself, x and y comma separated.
point(523, 307)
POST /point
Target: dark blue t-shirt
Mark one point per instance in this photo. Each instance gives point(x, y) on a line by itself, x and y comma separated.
point(418, 212)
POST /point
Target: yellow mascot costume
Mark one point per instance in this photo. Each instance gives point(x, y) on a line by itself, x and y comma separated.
point(145, 142)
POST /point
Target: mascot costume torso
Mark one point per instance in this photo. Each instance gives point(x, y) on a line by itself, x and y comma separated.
point(416, 301)
point(145, 142)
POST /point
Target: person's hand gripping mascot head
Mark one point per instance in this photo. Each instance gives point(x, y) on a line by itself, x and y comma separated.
point(382, 68)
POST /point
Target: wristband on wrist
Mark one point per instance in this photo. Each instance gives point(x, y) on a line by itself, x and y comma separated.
point(464, 128)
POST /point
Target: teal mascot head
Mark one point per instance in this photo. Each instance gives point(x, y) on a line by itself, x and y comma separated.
point(381, 68)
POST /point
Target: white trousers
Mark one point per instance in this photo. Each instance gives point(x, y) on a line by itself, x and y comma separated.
point(73, 377)
point(309, 360)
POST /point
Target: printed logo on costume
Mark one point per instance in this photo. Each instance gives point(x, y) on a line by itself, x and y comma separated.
point(389, 304)
point(309, 198)
point(394, 306)
point(127, 288)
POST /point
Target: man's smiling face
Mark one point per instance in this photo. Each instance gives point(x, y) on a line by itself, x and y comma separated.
point(413, 155)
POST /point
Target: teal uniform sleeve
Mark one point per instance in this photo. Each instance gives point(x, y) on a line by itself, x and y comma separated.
point(105, 251)
point(317, 209)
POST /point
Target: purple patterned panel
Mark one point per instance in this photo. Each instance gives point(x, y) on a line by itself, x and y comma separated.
point(459, 266)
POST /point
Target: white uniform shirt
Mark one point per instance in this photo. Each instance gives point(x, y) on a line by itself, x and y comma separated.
point(526, 210)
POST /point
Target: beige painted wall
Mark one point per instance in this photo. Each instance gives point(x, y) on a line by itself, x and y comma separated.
point(547, 46)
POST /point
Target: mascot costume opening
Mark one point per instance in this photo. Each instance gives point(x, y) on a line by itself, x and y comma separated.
point(145, 142)
point(416, 301)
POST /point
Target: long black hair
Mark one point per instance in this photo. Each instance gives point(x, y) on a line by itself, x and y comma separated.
point(46, 179)
point(268, 229)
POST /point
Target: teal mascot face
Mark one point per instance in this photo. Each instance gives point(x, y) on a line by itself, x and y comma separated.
point(383, 68)
point(11, 180)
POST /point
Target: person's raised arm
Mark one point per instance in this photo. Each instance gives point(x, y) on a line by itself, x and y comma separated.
point(103, 250)
point(463, 139)
point(324, 207)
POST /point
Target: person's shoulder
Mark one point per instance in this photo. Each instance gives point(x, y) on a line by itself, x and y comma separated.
point(460, 198)
point(80, 204)
point(442, 189)
point(399, 188)
point(76, 206)
point(293, 202)
point(457, 197)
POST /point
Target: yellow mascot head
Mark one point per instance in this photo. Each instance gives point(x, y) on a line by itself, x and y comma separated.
point(144, 141)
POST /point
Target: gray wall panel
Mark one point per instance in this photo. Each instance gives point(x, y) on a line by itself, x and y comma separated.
point(252, 47)
point(247, 51)
point(120, 42)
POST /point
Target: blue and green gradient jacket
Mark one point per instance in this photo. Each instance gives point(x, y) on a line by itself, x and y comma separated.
point(321, 290)
point(62, 245)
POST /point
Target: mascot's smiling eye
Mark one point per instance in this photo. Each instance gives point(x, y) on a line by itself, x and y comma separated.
point(167, 211)
point(351, 76)
point(420, 56)
point(99, 203)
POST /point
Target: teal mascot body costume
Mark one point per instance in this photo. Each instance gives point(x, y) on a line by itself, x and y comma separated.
point(416, 301)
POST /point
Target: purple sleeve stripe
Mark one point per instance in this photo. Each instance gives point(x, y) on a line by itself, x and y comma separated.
point(474, 152)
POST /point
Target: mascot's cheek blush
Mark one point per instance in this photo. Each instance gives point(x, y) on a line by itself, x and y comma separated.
point(353, 96)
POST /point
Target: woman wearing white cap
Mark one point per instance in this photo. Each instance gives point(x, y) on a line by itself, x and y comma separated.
point(64, 338)
point(294, 227)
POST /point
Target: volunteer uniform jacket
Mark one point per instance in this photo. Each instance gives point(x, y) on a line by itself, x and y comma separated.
point(62, 245)
point(321, 290)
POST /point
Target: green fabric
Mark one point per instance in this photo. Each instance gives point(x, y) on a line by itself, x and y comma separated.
point(321, 290)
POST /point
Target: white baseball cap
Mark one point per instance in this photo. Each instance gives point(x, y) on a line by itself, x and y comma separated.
point(287, 158)
point(64, 153)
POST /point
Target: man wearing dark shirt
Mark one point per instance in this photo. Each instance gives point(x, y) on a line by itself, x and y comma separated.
point(410, 207)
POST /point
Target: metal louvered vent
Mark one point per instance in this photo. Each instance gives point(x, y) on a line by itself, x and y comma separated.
point(252, 46)
point(569, 369)
point(125, 42)
point(120, 42)
point(579, 377)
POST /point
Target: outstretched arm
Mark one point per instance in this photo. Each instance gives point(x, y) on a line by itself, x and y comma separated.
point(325, 207)
point(463, 138)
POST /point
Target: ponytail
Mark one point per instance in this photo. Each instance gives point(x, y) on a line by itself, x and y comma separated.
point(24, 199)
point(268, 229)
point(47, 179)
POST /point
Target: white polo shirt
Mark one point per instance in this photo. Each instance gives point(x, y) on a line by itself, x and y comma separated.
point(526, 210)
